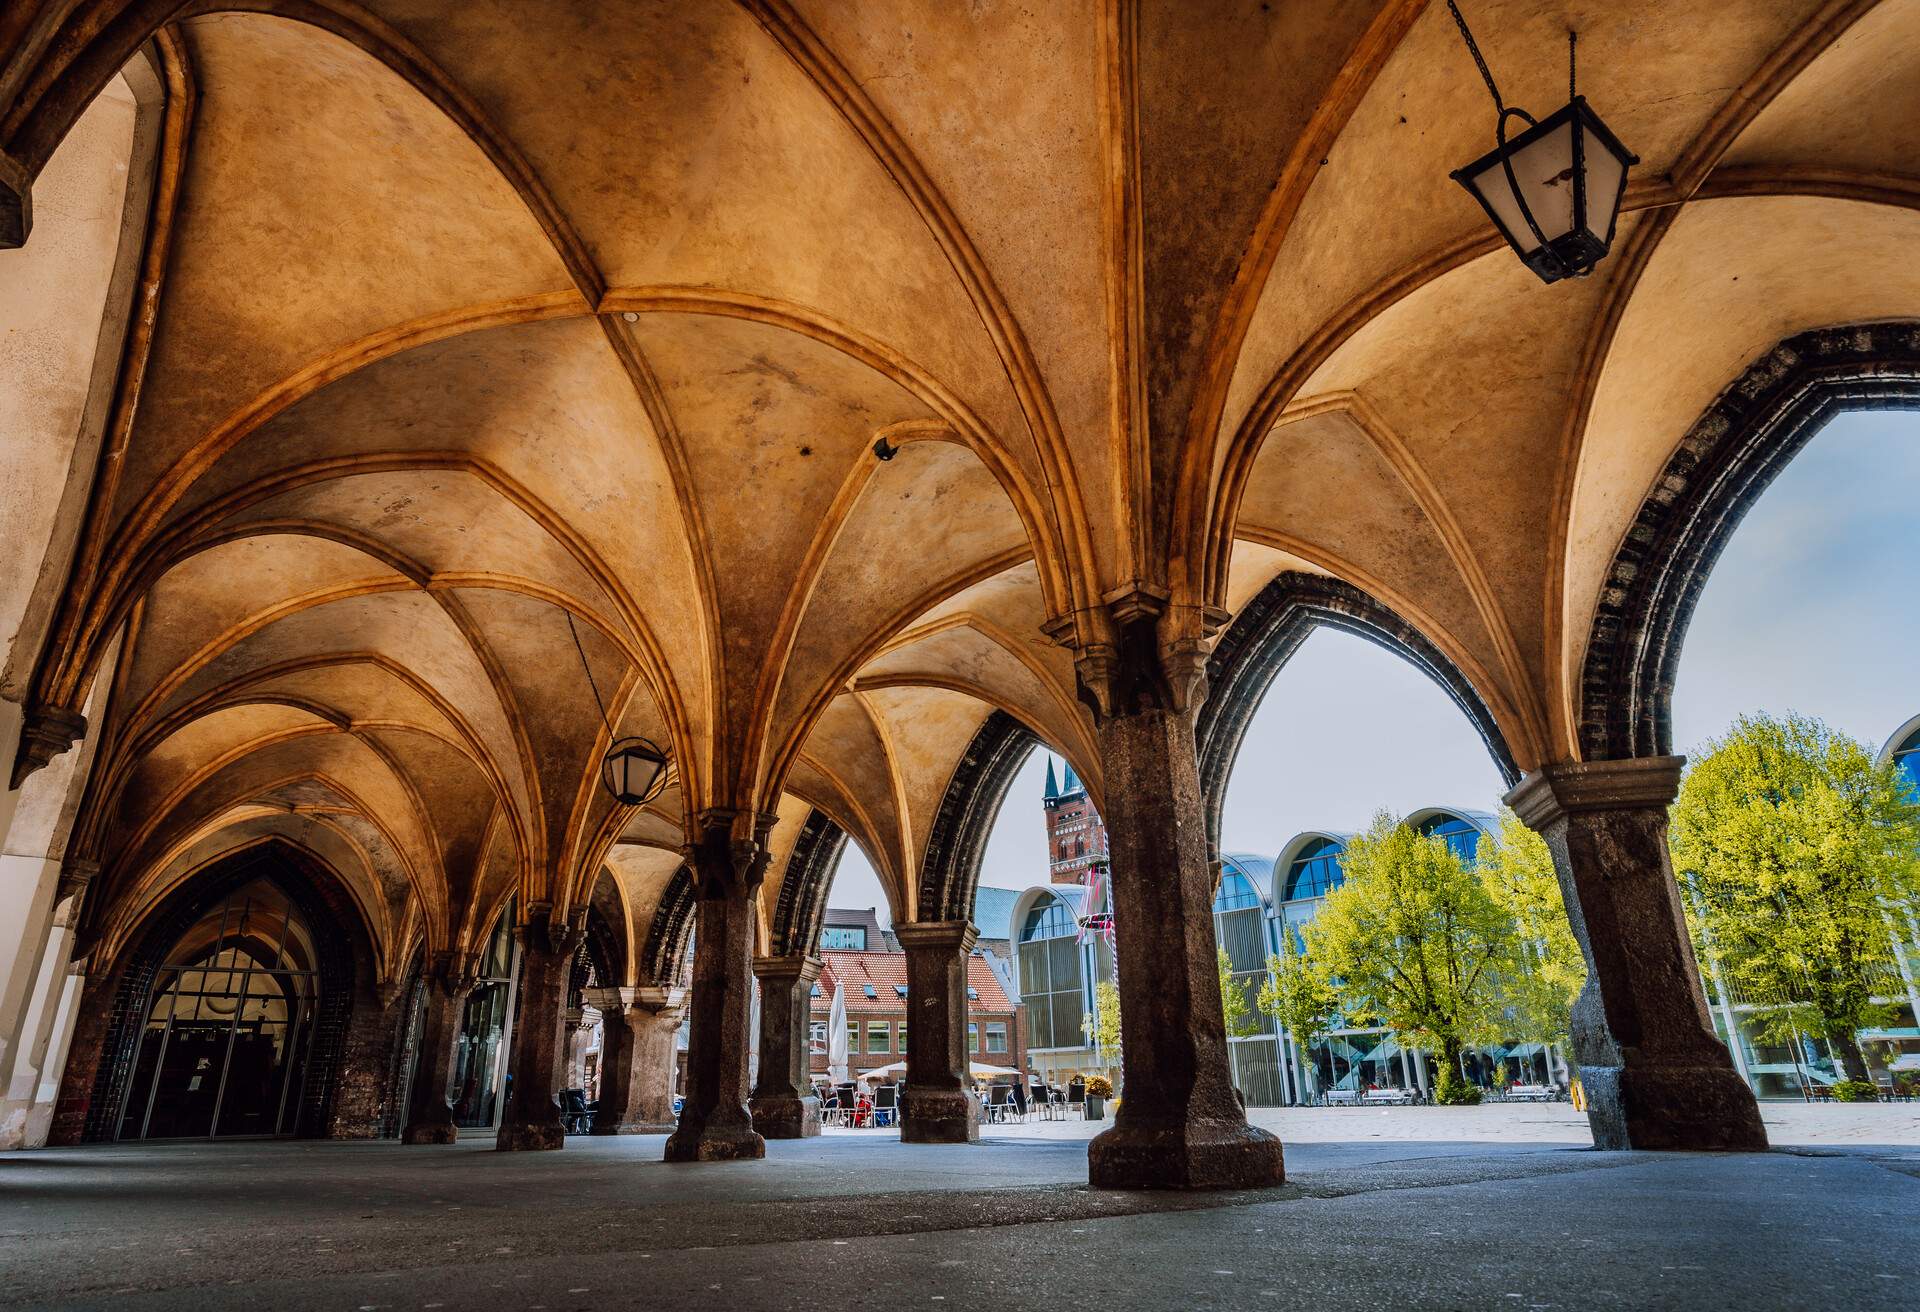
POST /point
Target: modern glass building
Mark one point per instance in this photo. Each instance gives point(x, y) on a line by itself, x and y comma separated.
point(1057, 966)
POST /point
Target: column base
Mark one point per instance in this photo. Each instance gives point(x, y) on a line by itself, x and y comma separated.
point(939, 1116)
point(785, 1116)
point(716, 1143)
point(1185, 1155)
point(430, 1132)
point(531, 1136)
point(1672, 1109)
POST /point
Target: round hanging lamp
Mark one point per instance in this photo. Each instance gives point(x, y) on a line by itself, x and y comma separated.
point(1554, 191)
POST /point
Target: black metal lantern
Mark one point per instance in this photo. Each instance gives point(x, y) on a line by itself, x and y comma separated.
point(1554, 191)
point(634, 771)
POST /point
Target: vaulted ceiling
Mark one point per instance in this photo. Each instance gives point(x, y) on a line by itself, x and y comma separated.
point(793, 378)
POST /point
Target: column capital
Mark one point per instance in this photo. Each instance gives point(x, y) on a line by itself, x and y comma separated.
point(456, 973)
point(76, 872)
point(1574, 787)
point(47, 732)
point(798, 968)
point(658, 999)
point(732, 846)
point(539, 928)
point(609, 1001)
point(959, 935)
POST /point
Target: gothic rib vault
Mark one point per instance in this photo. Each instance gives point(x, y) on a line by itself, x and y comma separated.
point(458, 325)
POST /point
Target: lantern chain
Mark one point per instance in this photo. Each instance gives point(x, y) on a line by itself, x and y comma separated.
point(588, 667)
point(1480, 61)
point(1573, 40)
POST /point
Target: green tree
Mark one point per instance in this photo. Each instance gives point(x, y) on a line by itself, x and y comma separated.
point(1518, 870)
point(1233, 1001)
point(1793, 842)
point(1300, 996)
point(1414, 939)
point(1102, 1024)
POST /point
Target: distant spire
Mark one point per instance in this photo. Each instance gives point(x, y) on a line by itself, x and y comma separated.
point(1073, 784)
point(1053, 789)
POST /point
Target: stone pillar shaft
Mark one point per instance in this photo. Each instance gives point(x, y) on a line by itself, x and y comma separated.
point(450, 981)
point(937, 1106)
point(1655, 1074)
point(532, 1119)
point(1179, 1125)
point(784, 1105)
point(637, 1059)
point(728, 863)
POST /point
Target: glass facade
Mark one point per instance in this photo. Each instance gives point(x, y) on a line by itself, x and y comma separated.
point(480, 1052)
point(1052, 978)
point(1907, 757)
point(229, 1025)
point(1316, 872)
point(843, 938)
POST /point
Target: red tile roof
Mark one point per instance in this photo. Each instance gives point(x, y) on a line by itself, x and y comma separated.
point(884, 970)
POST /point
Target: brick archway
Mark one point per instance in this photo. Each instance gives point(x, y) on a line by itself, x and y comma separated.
point(106, 1043)
point(1265, 635)
point(672, 929)
point(802, 906)
point(1728, 458)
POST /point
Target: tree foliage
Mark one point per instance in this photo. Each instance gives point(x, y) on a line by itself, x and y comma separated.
point(1102, 1024)
point(1793, 843)
point(1300, 996)
point(1233, 1001)
point(1518, 870)
point(1415, 940)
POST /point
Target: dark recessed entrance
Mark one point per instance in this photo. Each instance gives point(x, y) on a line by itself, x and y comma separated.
point(229, 1024)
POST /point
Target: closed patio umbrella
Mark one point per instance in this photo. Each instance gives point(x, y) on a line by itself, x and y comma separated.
point(837, 1034)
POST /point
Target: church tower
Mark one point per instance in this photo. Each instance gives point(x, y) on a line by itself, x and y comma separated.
point(1076, 836)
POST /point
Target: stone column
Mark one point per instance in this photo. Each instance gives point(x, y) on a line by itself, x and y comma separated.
point(1179, 1125)
point(728, 863)
point(532, 1118)
point(784, 1105)
point(450, 979)
point(937, 1105)
point(1655, 1074)
point(637, 1029)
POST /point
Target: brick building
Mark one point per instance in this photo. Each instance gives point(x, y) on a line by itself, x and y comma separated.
point(876, 984)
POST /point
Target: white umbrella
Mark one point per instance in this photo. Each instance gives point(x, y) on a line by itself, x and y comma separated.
point(891, 1068)
point(981, 1068)
point(837, 1034)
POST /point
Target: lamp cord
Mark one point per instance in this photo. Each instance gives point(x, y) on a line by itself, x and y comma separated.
point(1473, 48)
point(588, 667)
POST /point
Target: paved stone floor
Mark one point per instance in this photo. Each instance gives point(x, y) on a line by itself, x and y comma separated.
point(1482, 1208)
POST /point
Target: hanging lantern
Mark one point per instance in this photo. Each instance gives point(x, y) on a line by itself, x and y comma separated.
point(634, 771)
point(1554, 191)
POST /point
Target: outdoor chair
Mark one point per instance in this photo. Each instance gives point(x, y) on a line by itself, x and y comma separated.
point(1076, 1095)
point(1017, 1095)
point(999, 1103)
point(886, 1105)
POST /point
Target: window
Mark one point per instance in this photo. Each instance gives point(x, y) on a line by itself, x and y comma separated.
point(817, 1035)
point(868, 990)
point(814, 992)
point(973, 995)
point(1235, 894)
point(899, 990)
point(853, 1036)
point(996, 1036)
point(879, 1037)
point(1050, 921)
point(1459, 835)
point(973, 1036)
point(1907, 757)
point(1316, 872)
point(843, 938)
point(903, 1038)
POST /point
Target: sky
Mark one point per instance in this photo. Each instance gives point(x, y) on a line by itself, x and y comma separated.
point(1811, 608)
